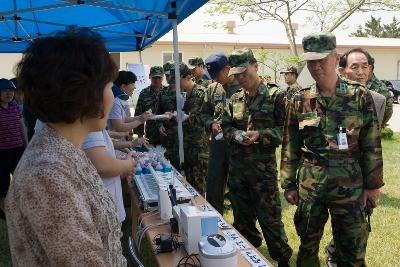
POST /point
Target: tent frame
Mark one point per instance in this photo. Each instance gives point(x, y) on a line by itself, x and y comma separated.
point(13, 16)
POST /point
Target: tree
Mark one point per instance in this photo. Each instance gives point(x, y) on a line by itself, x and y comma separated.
point(324, 15)
point(375, 28)
point(258, 10)
point(275, 61)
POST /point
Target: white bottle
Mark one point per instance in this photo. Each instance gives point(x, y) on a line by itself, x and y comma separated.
point(164, 205)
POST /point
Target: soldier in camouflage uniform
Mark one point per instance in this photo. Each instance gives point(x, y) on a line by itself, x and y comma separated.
point(168, 130)
point(216, 99)
point(167, 67)
point(194, 135)
point(331, 157)
point(374, 84)
point(355, 65)
point(290, 75)
point(252, 124)
point(196, 64)
point(148, 99)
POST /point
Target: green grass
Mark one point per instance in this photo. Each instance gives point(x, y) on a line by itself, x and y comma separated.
point(384, 241)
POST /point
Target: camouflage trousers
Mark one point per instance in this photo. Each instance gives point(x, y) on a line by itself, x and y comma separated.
point(335, 190)
point(195, 168)
point(152, 133)
point(169, 143)
point(195, 161)
point(218, 164)
point(254, 194)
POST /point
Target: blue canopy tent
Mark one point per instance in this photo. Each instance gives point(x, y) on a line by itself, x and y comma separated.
point(126, 25)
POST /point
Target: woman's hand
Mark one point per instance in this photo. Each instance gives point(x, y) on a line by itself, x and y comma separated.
point(140, 142)
point(145, 116)
point(131, 165)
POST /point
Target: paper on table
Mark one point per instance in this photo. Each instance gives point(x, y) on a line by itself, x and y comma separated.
point(255, 260)
point(223, 224)
point(235, 237)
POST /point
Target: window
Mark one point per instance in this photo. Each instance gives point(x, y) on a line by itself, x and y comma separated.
point(167, 56)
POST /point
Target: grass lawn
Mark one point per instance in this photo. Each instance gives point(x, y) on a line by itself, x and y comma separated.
point(384, 241)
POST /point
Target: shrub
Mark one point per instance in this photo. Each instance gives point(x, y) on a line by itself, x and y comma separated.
point(386, 133)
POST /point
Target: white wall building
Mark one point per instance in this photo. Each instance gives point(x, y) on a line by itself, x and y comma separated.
point(386, 51)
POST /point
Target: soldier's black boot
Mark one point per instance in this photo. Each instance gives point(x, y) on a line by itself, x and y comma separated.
point(283, 263)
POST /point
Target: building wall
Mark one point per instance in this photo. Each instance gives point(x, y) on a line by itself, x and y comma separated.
point(7, 64)
point(154, 55)
point(387, 60)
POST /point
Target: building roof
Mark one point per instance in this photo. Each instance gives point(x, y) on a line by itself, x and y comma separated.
point(272, 41)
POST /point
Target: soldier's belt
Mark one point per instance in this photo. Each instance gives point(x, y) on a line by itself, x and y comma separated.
point(265, 151)
point(331, 162)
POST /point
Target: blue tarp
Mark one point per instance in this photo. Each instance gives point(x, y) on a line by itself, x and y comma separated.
point(126, 25)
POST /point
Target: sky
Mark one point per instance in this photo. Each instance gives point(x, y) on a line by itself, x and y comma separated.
point(274, 28)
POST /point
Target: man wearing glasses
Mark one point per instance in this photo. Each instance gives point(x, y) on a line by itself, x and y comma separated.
point(252, 124)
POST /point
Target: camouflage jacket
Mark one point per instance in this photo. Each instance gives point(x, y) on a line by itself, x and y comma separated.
point(167, 103)
point(216, 99)
point(263, 112)
point(374, 84)
point(194, 135)
point(311, 128)
point(203, 82)
point(148, 99)
point(291, 91)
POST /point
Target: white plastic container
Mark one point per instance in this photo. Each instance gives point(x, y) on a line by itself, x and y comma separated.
point(164, 205)
point(217, 251)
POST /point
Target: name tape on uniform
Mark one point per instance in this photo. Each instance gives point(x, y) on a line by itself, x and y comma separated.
point(239, 242)
point(254, 259)
point(223, 224)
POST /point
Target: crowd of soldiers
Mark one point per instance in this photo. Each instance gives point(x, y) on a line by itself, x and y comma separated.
point(331, 157)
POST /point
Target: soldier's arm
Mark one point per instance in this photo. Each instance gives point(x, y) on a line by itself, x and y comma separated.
point(207, 110)
point(138, 111)
point(159, 110)
point(227, 123)
point(371, 161)
point(291, 148)
point(383, 90)
point(194, 114)
point(273, 136)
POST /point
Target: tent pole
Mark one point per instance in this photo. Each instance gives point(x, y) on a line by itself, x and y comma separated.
point(179, 102)
point(140, 56)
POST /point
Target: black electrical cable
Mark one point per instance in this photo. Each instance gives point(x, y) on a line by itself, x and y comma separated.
point(184, 262)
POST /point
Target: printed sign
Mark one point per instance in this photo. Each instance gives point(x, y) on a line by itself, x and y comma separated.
point(191, 190)
point(206, 207)
point(223, 224)
point(142, 73)
point(254, 259)
point(239, 242)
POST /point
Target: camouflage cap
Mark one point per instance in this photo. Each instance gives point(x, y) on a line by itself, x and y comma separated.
point(167, 67)
point(290, 69)
point(156, 71)
point(318, 45)
point(193, 62)
point(239, 60)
